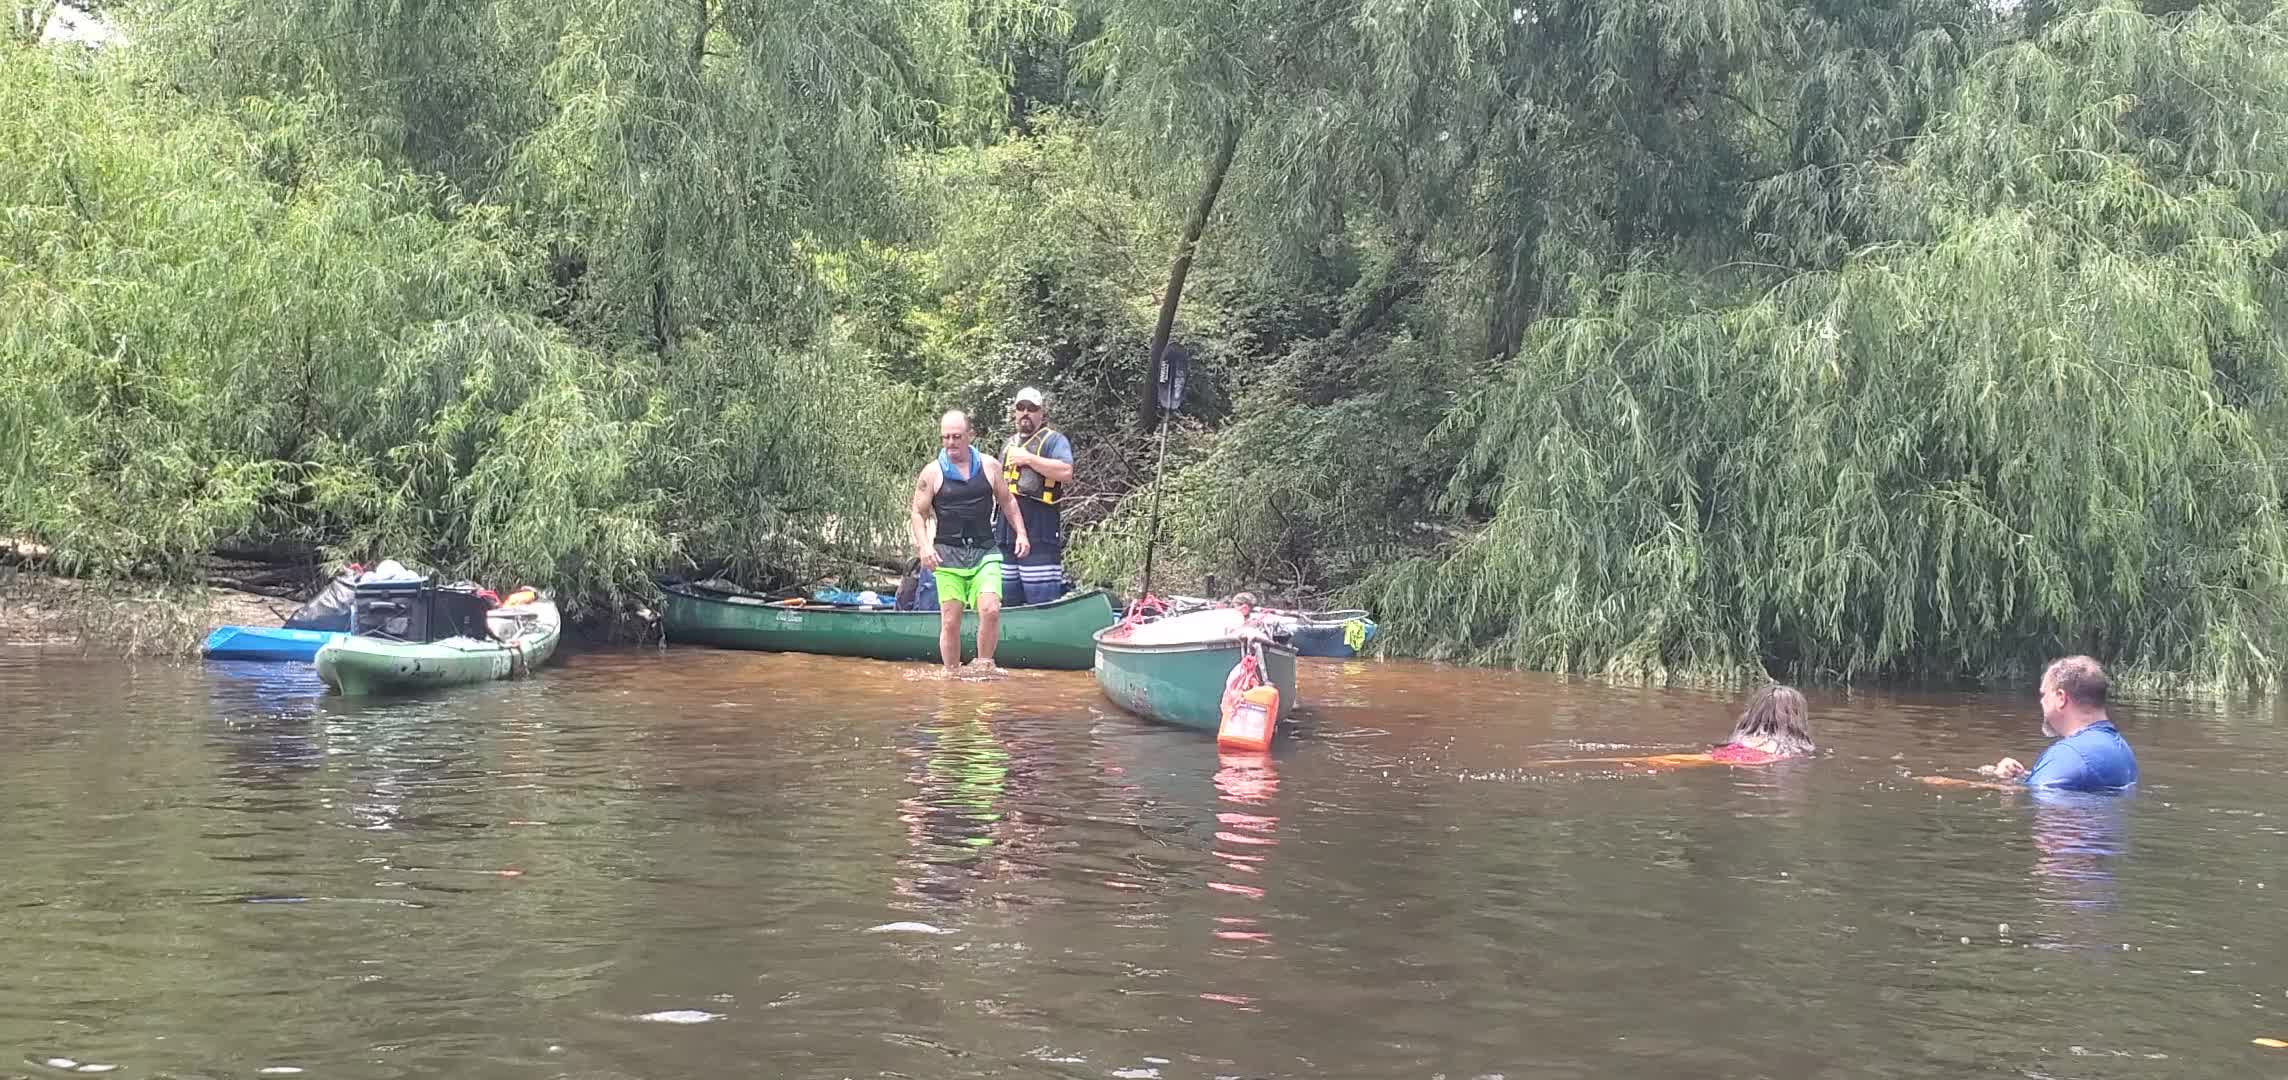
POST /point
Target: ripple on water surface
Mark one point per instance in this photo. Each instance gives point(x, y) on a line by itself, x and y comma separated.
point(683, 862)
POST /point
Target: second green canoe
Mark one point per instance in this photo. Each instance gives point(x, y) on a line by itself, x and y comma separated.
point(1052, 635)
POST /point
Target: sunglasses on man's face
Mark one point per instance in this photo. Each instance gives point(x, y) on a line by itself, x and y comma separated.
point(1028, 407)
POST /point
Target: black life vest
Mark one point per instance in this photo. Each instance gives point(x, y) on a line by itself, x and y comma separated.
point(963, 505)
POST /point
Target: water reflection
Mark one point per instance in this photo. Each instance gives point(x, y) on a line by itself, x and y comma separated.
point(2079, 837)
point(1150, 780)
point(959, 773)
point(553, 877)
point(269, 689)
point(263, 715)
point(1246, 832)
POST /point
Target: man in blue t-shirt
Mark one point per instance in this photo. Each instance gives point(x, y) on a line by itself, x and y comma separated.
point(1038, 467)
point(2089, 754)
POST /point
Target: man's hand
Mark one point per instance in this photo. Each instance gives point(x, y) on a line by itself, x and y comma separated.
point(1016, 457)
point(1024, 544)
point(929, 558)
point(2008, 768)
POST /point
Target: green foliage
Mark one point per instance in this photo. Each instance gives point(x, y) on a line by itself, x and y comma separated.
point(2040, 417)
point(1671, 340)
point(1032, 265)
point(1024, 255)
point(1325, 468)
point(686, 160)
point(205, 345)
point(178, 325)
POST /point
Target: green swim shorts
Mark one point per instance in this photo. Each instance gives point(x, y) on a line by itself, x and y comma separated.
point(965, 585)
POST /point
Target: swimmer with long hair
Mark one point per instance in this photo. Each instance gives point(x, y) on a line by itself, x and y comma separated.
point(1775, 726)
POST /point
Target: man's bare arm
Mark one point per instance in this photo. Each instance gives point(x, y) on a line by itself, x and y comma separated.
point(918, 522)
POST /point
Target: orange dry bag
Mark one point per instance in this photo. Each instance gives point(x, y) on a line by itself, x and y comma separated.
point(1250, 708)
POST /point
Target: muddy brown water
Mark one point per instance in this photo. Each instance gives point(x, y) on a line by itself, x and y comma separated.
point(690, 863)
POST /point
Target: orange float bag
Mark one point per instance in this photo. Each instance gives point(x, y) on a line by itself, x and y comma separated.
point(1249, 726)
point(1250, 708)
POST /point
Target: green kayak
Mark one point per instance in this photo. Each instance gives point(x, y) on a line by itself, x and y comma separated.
point(1051, 635)
point(1172, 670)
point(355, 664)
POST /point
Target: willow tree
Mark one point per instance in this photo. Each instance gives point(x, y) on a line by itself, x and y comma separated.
point(187, 352)
point(539, 277)
point(2038, 410)
point(221, 328)
point(1434, 177)
point(1193, 87)
point(1544, 149)
point(673, 158)
point(695, 162)
point(1184, 79)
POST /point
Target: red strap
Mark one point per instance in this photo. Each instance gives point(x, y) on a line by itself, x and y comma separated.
point(1247, 676)
point(1142, 607)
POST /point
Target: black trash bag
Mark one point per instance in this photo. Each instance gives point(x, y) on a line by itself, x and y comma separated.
point(329, 610)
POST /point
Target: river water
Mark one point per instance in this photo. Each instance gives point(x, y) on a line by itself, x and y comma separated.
point(696, 863)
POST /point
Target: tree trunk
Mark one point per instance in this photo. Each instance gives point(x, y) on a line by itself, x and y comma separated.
point(699, 39)
point(1517, 298)
point(662, 311)
point(1402, 283)
point(1148, 412)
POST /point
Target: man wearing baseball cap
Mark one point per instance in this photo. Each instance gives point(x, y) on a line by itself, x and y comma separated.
point(1038, 467)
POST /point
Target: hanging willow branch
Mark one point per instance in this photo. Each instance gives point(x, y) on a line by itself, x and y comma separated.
point(2042, 418)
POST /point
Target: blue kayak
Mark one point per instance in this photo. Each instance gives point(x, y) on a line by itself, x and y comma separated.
point(1332, 633)
point(265, 643)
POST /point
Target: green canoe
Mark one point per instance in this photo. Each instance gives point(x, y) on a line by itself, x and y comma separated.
point(1051, 635)
point(1162, 676)
point(356, 664)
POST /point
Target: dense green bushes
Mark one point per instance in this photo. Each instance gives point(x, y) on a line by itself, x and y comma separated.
point(222, 327)
point(1681, 340)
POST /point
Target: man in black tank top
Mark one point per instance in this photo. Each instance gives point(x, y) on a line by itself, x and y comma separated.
point(952, 531)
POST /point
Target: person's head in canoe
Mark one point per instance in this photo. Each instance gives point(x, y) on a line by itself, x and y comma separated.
point(1775, 723)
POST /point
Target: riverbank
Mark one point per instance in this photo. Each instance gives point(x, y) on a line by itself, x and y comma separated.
point(125, 619)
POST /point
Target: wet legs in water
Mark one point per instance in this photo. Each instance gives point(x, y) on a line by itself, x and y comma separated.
point(949, 634)
point(988, 628)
